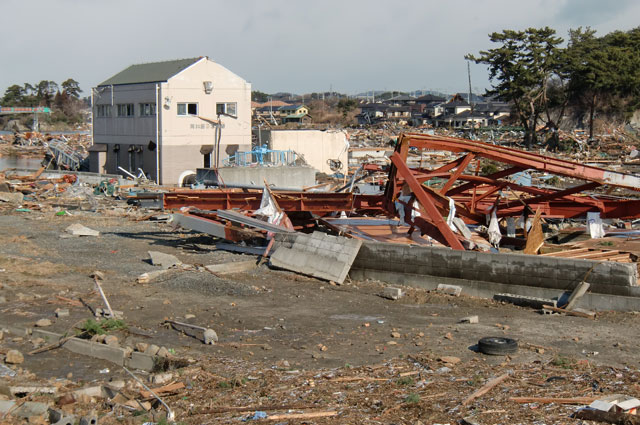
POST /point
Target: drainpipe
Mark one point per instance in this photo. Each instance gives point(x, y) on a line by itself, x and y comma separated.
point(158, 110)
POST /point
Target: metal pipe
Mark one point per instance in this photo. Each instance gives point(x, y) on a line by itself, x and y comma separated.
point(211, 183)
point(158, 110)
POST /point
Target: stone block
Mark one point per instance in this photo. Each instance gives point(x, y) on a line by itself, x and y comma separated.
point(392, 293)
point(449, 289)
point(100, 351)
point(470, 319)
point(49, 337)
point(141, 361)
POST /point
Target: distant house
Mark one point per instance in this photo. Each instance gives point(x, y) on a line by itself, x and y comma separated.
point(433, 109)
point(162, 118)
point(464, 119)
point(294, 113)
point(455, 107)
point(399, 100)
point(429, 99)
point(494, 110)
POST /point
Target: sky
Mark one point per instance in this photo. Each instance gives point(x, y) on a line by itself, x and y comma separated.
point(349, 46)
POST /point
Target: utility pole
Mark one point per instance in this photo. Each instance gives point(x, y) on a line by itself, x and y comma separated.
point(469, 75)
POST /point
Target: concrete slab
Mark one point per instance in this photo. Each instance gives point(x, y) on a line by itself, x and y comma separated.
point(78, 229)
point(525, 301)
point(163, 260)
point(320, 255)
point(234, 267)
point(100, 351)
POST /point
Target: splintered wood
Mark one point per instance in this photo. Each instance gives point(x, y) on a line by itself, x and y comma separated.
point(535, 238)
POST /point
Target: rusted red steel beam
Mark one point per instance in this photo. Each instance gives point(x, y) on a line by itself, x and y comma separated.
point(625, 210)
point(456, 174)
point(565, 194)
point(491, 178)
point(525, 160)
point(426, 202)
point(319, 203)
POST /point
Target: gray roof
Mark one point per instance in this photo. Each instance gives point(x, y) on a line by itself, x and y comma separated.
point(149, 72)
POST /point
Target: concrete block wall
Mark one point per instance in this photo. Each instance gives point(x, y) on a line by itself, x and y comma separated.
point(510, 269)
point(320, 255)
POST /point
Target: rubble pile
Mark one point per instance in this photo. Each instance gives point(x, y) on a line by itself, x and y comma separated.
point(36, 145)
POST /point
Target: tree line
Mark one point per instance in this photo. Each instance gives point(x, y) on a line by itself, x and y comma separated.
point(543, 78)
point(64, 99)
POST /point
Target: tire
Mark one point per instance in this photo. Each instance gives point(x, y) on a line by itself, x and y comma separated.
point(497, 346)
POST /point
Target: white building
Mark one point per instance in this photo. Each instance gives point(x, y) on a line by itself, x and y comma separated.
point(163, 118)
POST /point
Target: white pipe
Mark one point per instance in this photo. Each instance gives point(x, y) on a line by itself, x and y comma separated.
point(127, 173)
point(158, 109)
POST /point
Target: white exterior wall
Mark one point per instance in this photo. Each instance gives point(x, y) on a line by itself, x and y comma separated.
point(180, 137)
point(316, 146)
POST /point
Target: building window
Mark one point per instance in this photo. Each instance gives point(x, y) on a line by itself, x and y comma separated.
point(187, 109)
point(103, 111)
point(147, 109)
point(125, 110)
point(230, 108)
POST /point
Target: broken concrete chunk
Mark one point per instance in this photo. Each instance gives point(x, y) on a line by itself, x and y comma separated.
point(142, 346)
point(14, 357)
point(111, 340)
point(233, 267)
point(43, 323)
point(392, 293)
point(161, 378)
point(149, 276)
point(152, 350)
point(319, 255)
point(163, 352)
point(163, 260)
point(210, 337)
point(449, 289)
point(469, 319)
point(11, 198)
point(525, 301)
point(450, 359)
point(30, 410)
point(62, 312)
point(78, 229)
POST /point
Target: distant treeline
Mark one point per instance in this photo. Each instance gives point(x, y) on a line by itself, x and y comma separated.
point(543, 78)
point(64, 99)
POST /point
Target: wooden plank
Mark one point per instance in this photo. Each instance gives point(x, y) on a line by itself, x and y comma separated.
point(556, 400)
point(568, 253)
point(310, 415)
point(164, 389)
point(486, 388)
point(569, 312)
point(535, 238)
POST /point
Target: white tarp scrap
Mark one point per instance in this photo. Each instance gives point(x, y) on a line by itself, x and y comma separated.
point(268, 208)
point(494, 230)
point(452, 214)
point(594, 224)
point(401, 208)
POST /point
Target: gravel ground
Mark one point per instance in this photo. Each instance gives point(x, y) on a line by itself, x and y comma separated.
point(272, 322)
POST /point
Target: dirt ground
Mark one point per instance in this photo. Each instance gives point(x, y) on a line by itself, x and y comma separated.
point(292, 342)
